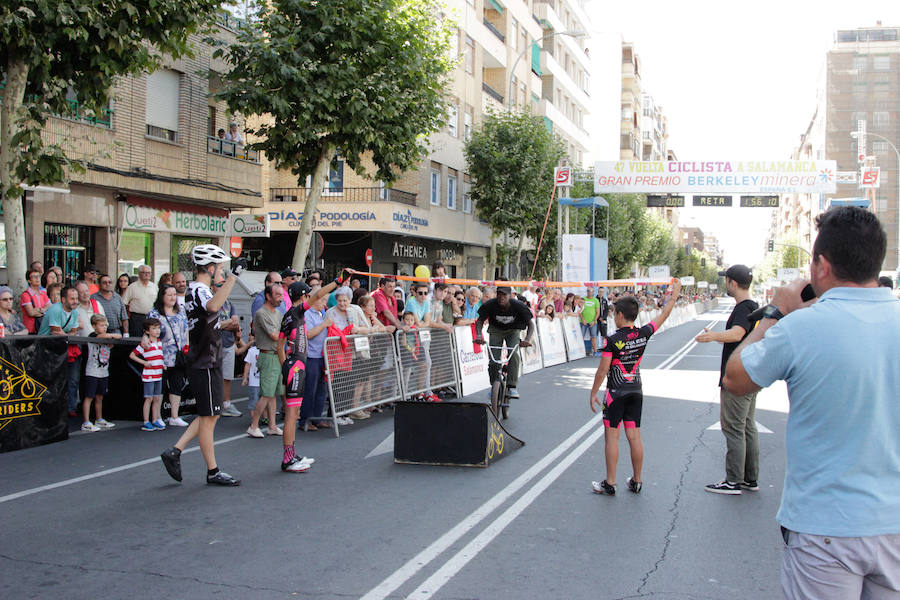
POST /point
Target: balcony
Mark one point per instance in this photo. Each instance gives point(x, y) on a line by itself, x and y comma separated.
point(490, 26)
point(562, 124)
point(551, 66)
point(491, 99)
point(346, 194)
point(216, 145)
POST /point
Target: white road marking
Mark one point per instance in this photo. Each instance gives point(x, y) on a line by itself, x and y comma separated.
point(684, 350)
point(105, 472)
point(717, 426)
point(423, 558)
point(434, 583)
point(384, 447)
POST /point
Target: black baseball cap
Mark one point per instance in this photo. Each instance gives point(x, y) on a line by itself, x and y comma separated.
point(739, 273)
point(90, 268)
point(298, 289)
point(289, 272)
point(504, 289)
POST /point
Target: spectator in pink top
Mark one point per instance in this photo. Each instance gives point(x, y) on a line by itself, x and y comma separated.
point(385, 303)
point(288, 276)
point(34, 301)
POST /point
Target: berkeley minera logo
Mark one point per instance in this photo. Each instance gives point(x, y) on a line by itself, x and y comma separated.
point(20, 394)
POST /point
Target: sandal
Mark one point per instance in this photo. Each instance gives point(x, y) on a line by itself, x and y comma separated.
point(309, 427)
point(324, 425)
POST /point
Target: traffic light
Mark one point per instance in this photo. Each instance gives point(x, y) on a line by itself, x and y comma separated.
point(771, 245)
point(702, 262)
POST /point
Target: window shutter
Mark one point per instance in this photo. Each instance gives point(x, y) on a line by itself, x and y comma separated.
point(163, 89)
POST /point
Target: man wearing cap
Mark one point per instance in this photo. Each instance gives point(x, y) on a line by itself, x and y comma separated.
point(288, 277)
point(507, 318)
point(737, 412)
point(90, 278)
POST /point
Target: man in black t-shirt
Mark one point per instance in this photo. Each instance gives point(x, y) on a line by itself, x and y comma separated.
point(204, 359)
point(506, 318)
point(737, 413)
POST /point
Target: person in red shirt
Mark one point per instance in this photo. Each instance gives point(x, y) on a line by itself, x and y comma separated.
point(149, 354)
point(385, 303)
point(34, 302)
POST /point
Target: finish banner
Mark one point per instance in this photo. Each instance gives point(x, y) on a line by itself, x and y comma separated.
point(716, 177)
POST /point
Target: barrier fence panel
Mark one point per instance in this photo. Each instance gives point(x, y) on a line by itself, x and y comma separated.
point(427, 361)
point(472, 361)
point(574, 340)
point(553, 345)
point(362, 372)
point(531, 357)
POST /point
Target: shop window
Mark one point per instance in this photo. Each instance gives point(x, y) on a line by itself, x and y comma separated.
point(70, 247)
point(181, 252)
point(163, 89)
point(135, 249)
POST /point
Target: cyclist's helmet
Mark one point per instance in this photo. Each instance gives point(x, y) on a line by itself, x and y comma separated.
point(208, 254)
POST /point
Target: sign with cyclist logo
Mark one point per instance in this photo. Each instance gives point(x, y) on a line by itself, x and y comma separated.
point(20, 395)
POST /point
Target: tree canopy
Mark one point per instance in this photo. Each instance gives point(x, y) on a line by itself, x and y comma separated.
point(511, 159)
point(359, 78)
point(52, 48)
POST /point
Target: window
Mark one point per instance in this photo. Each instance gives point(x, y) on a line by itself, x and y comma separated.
point(515, 33)
point(451, 192)
point(163, 88)
point(470, 55)
point(881, 117)
point(860, 63)
point(855, 118)
point(881, 63)
point(335, 184)
point(467, 123)
point(211, 122)
point(514, 89)
point(435, 187)
point(879, 147)
point(467, 196)
point(523, 37)
point(523, 93)
point(453, 120)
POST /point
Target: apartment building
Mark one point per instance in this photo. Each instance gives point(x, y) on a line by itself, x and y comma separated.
point(630, 137)
point(654, 134)
point(691, 237)
point(158, 180)
point(711, 248)
point(510, 53)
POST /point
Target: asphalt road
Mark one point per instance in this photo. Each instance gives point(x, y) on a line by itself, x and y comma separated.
point(97, 516)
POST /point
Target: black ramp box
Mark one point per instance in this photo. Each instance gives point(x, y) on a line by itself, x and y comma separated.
point(450, 433)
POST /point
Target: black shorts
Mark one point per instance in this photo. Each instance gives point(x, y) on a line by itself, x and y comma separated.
point(623, 405)
point(293, 373)
point(175, 380)
point(209, 390)
point(95, 386)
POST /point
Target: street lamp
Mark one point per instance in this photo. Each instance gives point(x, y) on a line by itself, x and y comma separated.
point(855, 135)
point(576, 33)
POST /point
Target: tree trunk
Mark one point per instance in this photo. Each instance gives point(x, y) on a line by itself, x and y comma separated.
point(14, 219)
point(492, 257)
point(309, 211)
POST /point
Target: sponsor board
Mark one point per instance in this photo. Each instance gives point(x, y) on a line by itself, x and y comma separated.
point(553, 345)
point(473, 361)
point(574, 341)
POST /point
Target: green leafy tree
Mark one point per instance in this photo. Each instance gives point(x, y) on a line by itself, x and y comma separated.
point(48, 47)
point(511, 159)
point(360, 78)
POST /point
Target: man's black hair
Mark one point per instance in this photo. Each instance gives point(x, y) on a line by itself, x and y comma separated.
point(440, 286)
point(853, 241)
point(885, 281)
point(383, 281)
point(629, 307)
point(270, 289)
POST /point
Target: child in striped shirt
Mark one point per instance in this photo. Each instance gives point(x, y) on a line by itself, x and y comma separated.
point(149, 354)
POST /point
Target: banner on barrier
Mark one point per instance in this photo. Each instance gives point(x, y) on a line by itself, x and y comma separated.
point(553, 346)
point(531, 356)
point(574, 341)
point(473, 362)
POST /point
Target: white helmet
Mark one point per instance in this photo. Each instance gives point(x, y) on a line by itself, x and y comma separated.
point(206, 254)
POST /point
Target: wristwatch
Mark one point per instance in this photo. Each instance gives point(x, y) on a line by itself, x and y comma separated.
point(770, 311)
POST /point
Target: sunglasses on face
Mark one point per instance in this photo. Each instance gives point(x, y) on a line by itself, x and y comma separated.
point(421, 293)
point(5, 299)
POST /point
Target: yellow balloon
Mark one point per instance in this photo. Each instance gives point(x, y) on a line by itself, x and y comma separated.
point(422, 271)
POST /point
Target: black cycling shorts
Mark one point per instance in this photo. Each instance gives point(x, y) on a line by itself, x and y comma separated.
point(293, 372)
point(209, 390)
point(623, 405)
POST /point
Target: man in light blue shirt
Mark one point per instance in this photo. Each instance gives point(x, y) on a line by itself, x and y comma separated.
point(840, 358)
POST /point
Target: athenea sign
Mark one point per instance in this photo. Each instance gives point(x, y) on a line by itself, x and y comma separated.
point(20, 394)
point(716, 177)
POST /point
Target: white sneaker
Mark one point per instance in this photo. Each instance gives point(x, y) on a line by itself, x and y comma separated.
point(307, 460)
point(344, 421)
point(274, 430)
point(104, 424)
point(176, 422)
point(88, 426)
point(295, 466)
point(255, 433)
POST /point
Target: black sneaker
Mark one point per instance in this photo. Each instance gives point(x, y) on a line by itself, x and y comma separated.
point(751, 486)
point(222, 478)
point(724, 487)
point(603, 488)
point(171, 459)
point(634, 486)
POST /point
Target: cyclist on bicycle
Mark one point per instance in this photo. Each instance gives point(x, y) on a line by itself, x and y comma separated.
point(506, 318)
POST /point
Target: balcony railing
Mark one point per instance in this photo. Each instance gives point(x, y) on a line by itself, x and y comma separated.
point(77, 112)
point(216, 145)
point(345, 194)
point(492, 92)
point(493, 29)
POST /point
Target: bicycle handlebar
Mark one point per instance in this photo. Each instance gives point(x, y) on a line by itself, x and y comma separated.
point(500, 348)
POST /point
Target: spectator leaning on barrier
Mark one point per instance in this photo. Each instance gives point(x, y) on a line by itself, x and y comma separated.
point(62, 319)
point(840, 508)
point(385, 303)
point(34, 302)
point(344, 314)
point(12, 324)
point(139, 298)
point(315, 390)
point(473, 303)
point(737, 412)
point(437, 308)
point(113, 307)
point(174, 338)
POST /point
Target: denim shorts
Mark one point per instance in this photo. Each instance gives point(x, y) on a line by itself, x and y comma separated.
point(153, 388)
point(253, 395)
point(589, 331)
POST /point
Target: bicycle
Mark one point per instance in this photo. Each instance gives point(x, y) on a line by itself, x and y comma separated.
point(499, 400)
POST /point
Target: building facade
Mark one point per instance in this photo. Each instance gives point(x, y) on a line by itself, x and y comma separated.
point(158, 180)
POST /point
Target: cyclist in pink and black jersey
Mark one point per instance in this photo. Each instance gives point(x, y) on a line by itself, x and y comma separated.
point(620, 366)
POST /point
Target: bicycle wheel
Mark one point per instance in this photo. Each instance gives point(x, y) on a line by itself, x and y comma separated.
point(505, 409)
point(496, 393)
point(28, 388)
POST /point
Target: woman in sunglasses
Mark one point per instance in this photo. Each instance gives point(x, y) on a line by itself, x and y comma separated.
point(459, 309)
point(12, 323)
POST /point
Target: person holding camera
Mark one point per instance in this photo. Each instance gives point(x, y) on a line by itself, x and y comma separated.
point(840, 508)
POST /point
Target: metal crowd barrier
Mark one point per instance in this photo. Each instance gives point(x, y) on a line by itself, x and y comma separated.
point(427, 361)
point(362, 372)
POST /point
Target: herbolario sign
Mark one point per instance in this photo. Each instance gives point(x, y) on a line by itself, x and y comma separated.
point(715, 177)
point(173, 221)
